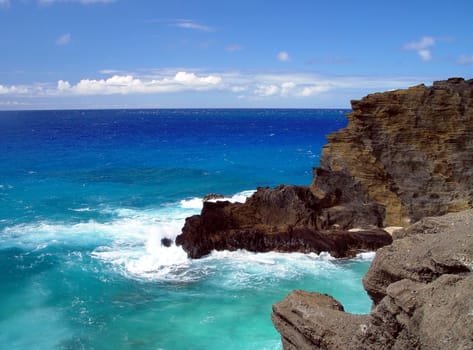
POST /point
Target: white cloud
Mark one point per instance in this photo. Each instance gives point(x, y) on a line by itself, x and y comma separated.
point(250, 87)
point(300, 86)
point(189, 24)
point(287, 87)
point(128, 84)
point(266, 90)
point(422, 47)
point(423, 43)
point(109, 71)
point(283, 56)
point(248, 84)
point(64, 39)
point(315, 89)
point(425, 55)
point(13, 90)
point(192, 79)
point(464, 59)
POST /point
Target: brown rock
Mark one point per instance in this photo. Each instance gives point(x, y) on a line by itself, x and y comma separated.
point(410, 149)
point(422, 289)
point(424, 257)
point(314, 321)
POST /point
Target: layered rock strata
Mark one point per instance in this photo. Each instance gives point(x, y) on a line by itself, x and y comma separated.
point(404, 155)
point(422, 292)
point(412, 149)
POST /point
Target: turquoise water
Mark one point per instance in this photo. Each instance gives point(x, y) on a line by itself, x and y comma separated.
point(86, 196)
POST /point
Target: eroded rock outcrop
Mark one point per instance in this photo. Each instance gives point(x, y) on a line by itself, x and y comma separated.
point(285, 219)
point(412, 149)
point(305, 327)
point(421, 287)
point(404, 155)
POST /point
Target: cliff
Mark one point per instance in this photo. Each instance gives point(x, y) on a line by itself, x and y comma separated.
point(410, 149)
point(422, 292)
point(404, 155)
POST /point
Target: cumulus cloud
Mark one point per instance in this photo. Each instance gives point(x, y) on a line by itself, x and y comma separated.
point(13, 90)
point(464, 59)
point(292, 85)
point(422, 47)
point(283, 56)
point(128, 84)
point(189, 24)
point(263, 87)
point(298, 88)
point(64, 39)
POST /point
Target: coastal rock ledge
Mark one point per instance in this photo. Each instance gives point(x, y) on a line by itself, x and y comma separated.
point(405, 155)
point(422, 291)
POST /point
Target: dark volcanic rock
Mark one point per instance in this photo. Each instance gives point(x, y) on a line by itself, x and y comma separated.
point(284, 219)
point(404, 155)
point(212, 196)
point(422, 289)
point(166, 242)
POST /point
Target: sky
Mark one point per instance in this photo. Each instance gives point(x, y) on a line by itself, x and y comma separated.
point(68, 54)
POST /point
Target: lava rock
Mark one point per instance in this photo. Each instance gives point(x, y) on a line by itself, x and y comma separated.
point(422, 292)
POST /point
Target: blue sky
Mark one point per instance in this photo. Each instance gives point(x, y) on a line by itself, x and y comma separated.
point(216, 53)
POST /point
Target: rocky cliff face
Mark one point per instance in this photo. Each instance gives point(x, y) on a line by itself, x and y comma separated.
point(421, 287)
point(412, 150)
point(404, 155)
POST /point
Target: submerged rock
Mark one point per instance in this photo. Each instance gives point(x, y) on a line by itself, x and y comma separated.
point(422, 292)
point(166, 242)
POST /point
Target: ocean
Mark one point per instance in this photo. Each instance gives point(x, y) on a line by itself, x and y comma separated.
point(87, 196)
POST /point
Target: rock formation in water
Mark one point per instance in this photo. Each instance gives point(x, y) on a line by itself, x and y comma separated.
point(404, 155)
point(284, 219)
point(422, 292)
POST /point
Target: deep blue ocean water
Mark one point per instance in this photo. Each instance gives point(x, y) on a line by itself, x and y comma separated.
point(86, 196)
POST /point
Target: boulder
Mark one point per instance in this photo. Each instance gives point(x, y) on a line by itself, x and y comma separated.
point(422, 292)
point(314, 321)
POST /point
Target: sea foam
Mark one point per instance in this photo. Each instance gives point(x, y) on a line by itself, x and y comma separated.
point(130, 242)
